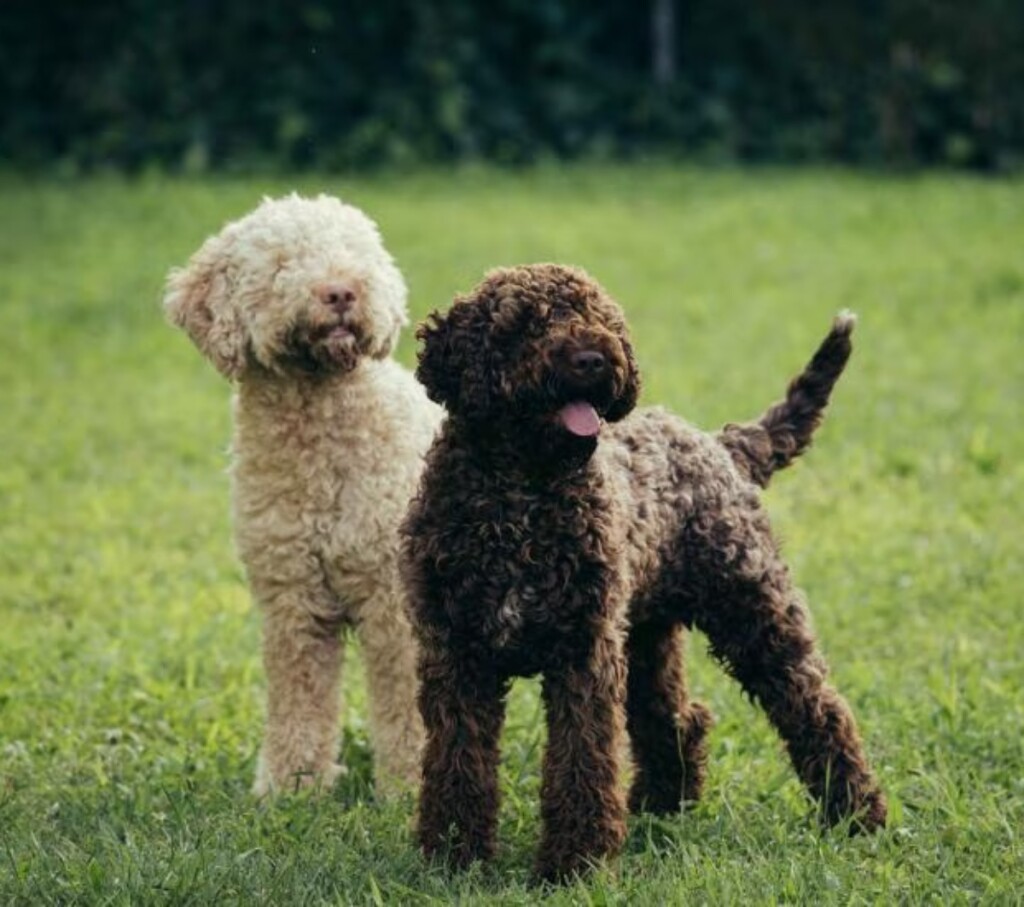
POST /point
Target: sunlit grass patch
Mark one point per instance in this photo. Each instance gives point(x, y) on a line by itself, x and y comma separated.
point(130, 682)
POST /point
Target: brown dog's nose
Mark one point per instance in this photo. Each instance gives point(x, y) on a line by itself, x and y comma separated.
point(336, 295)
point(589, 364)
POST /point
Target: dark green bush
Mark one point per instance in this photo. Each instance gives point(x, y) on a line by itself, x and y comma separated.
point(197, 84)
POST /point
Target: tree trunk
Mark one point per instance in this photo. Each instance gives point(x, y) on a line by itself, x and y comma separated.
point(663, 42)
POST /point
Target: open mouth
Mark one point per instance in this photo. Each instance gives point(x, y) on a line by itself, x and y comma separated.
point(580, 418)
point(325, 347)
point(339, 332)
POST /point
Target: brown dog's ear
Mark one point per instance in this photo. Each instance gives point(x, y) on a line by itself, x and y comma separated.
point(454, 363)
point(627, 388)
point(438, 369)
point(197, 299)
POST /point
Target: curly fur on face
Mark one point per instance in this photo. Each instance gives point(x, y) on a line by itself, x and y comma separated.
point(557, 532)
point(500, 360)
point(299, 302)
point(249, 297)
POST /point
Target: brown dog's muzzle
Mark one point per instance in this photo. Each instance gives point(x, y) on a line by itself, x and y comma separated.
point(586, 363)
point(587, 366)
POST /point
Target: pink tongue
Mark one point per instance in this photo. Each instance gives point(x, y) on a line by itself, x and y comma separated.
point(580, 418)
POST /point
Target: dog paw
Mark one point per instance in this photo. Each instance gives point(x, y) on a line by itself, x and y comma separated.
point(872, 815)
point(292, 782)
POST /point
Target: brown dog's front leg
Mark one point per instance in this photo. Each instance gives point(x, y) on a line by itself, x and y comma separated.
point(463, 715)
point(582, 805)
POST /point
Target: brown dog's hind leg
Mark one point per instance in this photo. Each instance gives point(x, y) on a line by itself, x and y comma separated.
point(758, 628)
point(666, 730)
point(458, 804)
point(582, 806)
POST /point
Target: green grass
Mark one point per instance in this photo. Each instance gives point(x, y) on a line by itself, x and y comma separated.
point(130, 682)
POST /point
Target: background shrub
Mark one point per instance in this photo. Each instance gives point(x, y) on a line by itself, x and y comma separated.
point(196, 84)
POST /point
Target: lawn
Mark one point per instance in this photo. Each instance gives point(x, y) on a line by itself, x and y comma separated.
point(130, 678)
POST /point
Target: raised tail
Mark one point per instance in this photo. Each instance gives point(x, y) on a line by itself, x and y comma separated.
point(762, 448)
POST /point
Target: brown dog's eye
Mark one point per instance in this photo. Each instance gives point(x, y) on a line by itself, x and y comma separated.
point(558, 317)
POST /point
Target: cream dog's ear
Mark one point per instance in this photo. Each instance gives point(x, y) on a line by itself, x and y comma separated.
point(198, 299)
point(390, 290)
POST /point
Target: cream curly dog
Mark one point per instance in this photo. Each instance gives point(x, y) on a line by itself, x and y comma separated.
point(300, 305)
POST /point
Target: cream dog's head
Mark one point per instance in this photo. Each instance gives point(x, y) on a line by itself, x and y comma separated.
point(299, 286)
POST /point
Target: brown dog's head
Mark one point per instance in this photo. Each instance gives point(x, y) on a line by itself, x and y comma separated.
point(297, 287)
point(536, 356)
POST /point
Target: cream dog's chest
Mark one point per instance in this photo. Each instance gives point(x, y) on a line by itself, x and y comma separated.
point(320, 517)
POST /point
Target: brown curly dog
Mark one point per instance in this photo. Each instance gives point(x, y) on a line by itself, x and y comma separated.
point(556, 533)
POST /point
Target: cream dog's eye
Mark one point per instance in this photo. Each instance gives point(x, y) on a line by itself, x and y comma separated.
point(279, 272)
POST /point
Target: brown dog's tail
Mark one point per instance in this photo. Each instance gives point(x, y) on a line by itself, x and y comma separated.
point(762, 448)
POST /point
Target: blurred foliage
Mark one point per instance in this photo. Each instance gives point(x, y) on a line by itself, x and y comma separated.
point(197, 84)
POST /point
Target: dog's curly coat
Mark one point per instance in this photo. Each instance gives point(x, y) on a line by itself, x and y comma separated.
point(300, 304)
point(533, 546)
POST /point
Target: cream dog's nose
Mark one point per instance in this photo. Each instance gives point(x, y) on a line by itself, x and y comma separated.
point(338, 296)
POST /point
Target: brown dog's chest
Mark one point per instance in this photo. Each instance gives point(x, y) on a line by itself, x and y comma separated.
point(525, 575)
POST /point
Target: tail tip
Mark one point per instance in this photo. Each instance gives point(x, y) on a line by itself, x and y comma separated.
point(844, 323)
